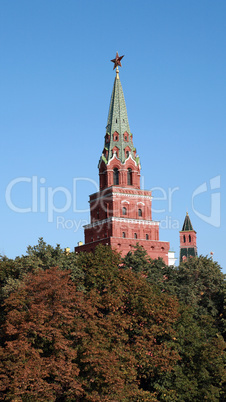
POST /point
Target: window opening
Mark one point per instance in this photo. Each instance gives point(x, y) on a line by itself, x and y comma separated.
point(115, 177)
point(139, 212)
point(129, 177)
point(124, 211)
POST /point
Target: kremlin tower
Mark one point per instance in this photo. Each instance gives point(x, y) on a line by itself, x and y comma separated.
point(120, 212)
point(188, 247)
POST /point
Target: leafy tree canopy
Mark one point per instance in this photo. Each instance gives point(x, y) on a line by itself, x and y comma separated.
point(95, 327)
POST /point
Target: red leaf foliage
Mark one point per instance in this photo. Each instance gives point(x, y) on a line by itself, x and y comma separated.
point(105, 344)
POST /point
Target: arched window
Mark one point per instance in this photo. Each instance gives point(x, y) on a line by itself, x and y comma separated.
point(135, 236)
point(189, 238)
point(115, 177)
point(139, 212)
point(129, 177)
point(147, 237)
point(123, 235)
point(124, 211)
point(184, 238)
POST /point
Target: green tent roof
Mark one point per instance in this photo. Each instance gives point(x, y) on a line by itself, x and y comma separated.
point(187, 224)
point(118, 122)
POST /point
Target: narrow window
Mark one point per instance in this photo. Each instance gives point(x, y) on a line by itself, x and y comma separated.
point(189, 238)
point(184, 239)
point(123, 235)
point(115, 177)
point(129, 177)
point(126, 138)
point(147, 237)
point(135, 236)
point(124, 211)
point(139, 212)
point(116, 121)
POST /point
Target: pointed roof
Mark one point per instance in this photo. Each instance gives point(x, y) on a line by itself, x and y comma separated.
point(117, 115)
point(187, 224)
point(118, 123)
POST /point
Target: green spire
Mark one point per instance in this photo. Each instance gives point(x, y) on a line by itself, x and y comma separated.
point(117, 115)
point(118, 132)
point(187, 224)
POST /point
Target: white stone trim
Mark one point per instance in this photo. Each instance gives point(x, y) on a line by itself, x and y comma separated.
point(123, 163)
point(125, 195)
point(134, 195)
point(124, 220)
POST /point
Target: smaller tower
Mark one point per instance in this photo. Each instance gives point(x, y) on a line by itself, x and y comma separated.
point(188, 247)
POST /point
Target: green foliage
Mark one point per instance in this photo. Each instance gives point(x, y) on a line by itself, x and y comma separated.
point(200, 287)
point(201, 284)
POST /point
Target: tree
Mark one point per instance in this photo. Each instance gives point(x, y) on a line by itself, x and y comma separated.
point(131, 338)
point(200, 286)
point(110, 342)
point(38, 360)
point(40, 257)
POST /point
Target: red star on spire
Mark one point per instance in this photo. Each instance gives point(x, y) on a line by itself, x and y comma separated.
point(117, 61)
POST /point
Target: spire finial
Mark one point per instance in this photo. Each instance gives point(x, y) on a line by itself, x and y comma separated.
point(117, 62)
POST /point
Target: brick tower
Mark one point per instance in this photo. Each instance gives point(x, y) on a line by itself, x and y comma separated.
point(121, 212)
point(188, 247)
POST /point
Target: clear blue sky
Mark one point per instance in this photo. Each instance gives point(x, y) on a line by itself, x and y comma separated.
point(56, 81)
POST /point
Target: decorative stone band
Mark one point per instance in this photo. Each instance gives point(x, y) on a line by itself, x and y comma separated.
point(117, 219)
point(126, 194)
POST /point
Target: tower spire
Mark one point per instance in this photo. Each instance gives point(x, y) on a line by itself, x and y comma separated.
point(118, 138)
point(119, 154)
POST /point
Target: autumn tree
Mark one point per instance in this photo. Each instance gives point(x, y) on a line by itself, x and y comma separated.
point(39, 257)
point(38, 358)
point(131, 342)
point(107, 343)
point(99, 328)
